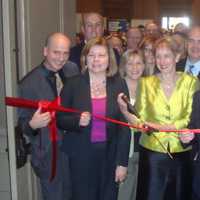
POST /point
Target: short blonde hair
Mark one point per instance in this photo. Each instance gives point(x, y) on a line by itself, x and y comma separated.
point(112, 65)
point(125, 58)
point(169, 42)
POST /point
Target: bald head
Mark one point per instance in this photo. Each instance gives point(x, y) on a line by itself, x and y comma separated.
point(181, 28)
point(55, 37)
point(92, 25)
point(56, 51)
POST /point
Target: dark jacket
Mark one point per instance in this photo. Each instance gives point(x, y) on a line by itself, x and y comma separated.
point(180, 66)
point(75, 54)
point(76, 94)
point(195, 124)
point(36, 86)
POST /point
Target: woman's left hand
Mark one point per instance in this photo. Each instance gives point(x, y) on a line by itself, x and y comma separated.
point(120, 174)
point(186, 137)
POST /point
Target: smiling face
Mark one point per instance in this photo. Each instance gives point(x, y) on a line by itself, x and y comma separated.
point(194, 44)
point(97, 59)
point(149, 54)
point(165, 59)
point(134, 67)
point(56, 52)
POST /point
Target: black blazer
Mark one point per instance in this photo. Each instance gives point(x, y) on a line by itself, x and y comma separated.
point(76, 94)
point(180, 66)
point(195, 124)
point(75, 54)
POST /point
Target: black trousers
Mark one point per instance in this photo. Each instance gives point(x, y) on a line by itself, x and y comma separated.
point(92, 174)
point(163, 178)
point(196, 180)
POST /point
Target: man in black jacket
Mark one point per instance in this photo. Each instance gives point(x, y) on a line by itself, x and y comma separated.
point(40, 84)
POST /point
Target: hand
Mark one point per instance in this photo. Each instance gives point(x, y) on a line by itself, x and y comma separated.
point(84, 119)
point(40, 120)
point(121, 103)
point(152, 127)
point(160, 126)
point(186, 137)
point(120, 174)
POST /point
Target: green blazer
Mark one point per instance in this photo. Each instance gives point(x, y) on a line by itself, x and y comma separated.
point(154, 106)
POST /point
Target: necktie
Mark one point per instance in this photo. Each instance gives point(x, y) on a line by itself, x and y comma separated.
point(52, 81)
point(59, 83)
point(190, 69)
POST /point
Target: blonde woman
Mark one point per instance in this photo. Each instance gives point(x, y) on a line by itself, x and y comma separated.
point(131, 69)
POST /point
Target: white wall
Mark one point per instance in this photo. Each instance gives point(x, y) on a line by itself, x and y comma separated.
point(36, 19)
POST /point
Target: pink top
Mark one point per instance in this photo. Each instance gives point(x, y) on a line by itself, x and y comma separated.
point(98, 133)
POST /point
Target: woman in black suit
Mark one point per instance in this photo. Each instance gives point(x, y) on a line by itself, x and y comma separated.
point(98, 150)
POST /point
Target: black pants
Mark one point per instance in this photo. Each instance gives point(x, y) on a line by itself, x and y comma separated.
point(93, 174)
point(196, 180)
point(163, 178)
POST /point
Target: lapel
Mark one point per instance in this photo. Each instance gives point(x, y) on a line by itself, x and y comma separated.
point(85, 90)
point(198, 76)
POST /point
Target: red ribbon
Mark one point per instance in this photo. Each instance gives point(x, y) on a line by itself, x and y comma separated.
point(53, 132)
point(54, 106)
point(45, 106)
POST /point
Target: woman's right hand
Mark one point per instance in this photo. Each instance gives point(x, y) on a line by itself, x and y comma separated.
point(122, 104)
point(85, 119)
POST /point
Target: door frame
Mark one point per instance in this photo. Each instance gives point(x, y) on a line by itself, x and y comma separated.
point(8, 62)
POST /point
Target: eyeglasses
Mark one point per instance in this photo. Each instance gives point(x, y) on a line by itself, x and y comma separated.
point(148, 49)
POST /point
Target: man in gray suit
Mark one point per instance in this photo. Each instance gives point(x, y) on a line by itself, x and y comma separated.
point(39, 84)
